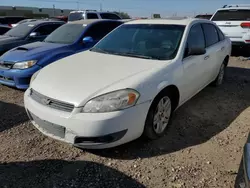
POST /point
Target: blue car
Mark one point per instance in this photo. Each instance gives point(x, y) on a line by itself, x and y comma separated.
point(19, 64)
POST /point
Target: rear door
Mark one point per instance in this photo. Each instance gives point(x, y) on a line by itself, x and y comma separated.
point(234, 23)
point(214, 49)
point(45, 30)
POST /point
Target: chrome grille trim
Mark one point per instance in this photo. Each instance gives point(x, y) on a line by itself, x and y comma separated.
point(52, 103)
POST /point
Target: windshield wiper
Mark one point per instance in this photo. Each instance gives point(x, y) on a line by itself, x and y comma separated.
point(135, 55)
point(100, 50)
point(48, 41)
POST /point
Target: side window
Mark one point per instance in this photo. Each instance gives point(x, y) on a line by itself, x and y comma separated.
point(92, 16)
point(46, 29)
point(211, 34)
point(195, 39)
point(221, 35)
point(110, 16)
point(99, 30)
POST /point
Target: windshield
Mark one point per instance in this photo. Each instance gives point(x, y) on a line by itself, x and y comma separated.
point(149, 41)
point(75, 16)
point(236, 15)
point(66, 34)
point(20, 30)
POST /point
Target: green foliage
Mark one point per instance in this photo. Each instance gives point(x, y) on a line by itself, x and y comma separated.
point(123, 15)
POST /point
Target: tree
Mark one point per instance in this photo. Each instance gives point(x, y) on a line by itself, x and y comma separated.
point(123, 15)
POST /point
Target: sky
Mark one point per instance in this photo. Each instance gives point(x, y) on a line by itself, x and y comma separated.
point(133, 7)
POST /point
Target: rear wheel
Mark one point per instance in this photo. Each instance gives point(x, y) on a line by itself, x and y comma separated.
point(159, 117)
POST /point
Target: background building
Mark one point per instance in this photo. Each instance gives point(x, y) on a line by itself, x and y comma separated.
point(32, 11)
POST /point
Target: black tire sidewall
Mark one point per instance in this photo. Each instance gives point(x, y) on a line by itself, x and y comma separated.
point(149, 131)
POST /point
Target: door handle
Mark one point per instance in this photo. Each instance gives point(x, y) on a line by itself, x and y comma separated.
point(222, 48)
point(205, 58)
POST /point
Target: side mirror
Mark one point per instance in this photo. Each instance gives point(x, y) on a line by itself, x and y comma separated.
point(87, 40)
point(196, 51)
point(34, 35)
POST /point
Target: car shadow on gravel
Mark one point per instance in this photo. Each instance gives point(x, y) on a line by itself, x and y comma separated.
point(11, 115)
point(199, 120)
point(244, 52)
point(60, 173)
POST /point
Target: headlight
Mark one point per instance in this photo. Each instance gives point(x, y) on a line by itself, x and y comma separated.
point(24, 64)
point(113, 101)
point(34, 76)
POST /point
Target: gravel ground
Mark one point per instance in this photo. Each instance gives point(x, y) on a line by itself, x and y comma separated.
point(203, 147)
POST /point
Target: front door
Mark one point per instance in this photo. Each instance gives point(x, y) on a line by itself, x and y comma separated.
point(194, 65)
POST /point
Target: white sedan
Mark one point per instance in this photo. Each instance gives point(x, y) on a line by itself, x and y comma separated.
point(129, 83)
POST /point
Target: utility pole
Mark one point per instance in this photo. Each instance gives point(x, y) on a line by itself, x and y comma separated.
point(54, 9)
point(100, 6)
point(77, 4)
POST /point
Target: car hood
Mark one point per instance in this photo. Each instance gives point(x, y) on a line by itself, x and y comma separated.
point(30, 51)
point(4, 39)
point(77, 78)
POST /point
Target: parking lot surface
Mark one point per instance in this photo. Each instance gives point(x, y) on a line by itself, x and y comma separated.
point(202, 148)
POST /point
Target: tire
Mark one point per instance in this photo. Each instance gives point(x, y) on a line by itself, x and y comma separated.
point(220, 77)
point(156, 114)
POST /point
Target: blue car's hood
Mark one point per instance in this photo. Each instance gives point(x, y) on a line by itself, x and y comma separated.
point(30, 51)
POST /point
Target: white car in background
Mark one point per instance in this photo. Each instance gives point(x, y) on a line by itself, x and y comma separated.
point(129, 83)
point(234, 22)
point(91, 14)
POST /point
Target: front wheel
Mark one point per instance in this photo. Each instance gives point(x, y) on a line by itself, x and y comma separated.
point(159, 117)
point(220, 77)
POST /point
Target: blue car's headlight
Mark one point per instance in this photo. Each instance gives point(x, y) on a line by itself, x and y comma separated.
point(24, 64)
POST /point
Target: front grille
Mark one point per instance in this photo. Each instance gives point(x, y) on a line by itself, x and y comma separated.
point(48, 127)
point(5, 65)
point(52, 103)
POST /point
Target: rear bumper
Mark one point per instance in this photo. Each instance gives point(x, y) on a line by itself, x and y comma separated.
point(235, 43)
point(16, 77)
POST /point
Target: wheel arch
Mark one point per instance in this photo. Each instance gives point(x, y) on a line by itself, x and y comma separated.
point(226, 60)
point(174, 92)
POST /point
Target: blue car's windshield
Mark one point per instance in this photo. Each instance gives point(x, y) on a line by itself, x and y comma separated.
point(149, 41)
point(66, 34)
point(21, 30)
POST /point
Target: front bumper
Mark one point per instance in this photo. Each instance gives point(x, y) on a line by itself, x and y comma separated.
point(16, 77)
point(88, 130)
point(246, 162)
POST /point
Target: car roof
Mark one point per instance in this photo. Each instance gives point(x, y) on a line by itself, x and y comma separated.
point(13, 17)
point(175, 21)
point(38, 22)
point(89, 21)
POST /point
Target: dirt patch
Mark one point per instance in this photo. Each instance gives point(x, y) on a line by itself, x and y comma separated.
point(203, 147)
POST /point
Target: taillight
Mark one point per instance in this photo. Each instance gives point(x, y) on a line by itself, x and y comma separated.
point(10, 25)
point(245, 25)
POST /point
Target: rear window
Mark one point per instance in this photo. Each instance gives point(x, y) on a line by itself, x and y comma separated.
point(75, 16)
point(110, 16)
point(3, 21)
point(3, 30)
point(233, 14)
